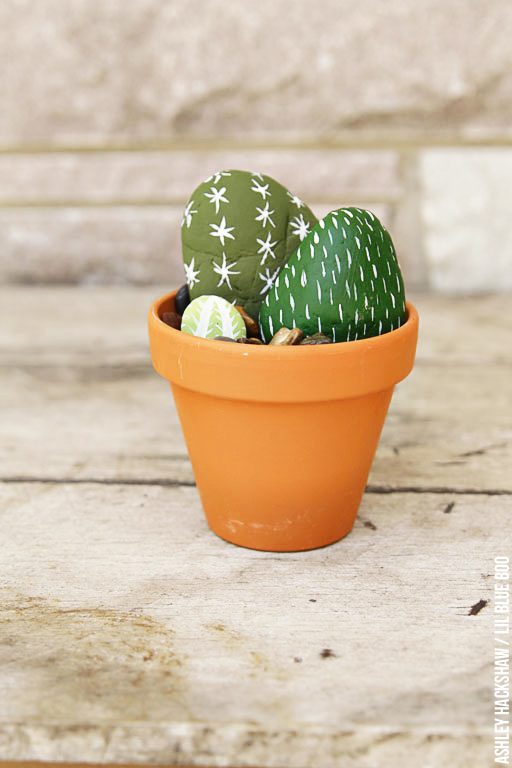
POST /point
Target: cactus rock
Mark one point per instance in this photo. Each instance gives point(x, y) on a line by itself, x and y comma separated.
point(343, 281)
point(238, 230)
point(212, 316)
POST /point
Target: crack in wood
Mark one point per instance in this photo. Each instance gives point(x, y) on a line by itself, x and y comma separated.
point(165, 482)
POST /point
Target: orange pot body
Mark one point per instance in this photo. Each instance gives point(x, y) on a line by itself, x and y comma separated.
point(281, 439)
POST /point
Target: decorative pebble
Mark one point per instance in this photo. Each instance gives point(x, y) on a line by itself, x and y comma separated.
point(212, 316)
point(227, 338)
point(348, 287)
point(172, 319)
point(250, 341)
point(238, 230)
point(287, 337)
point(182, 299)
point(316, 338)
point(252, 327)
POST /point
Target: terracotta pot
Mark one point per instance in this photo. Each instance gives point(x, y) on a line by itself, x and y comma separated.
point(281, 439)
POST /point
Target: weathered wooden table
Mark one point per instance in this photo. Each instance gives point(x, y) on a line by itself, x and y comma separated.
point(130, 633)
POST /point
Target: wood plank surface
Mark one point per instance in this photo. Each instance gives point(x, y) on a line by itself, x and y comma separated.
point(131, 634)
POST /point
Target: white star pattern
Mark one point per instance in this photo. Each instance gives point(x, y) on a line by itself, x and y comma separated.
point(216, 197)
point(262, 189)
point(301, 227)
point(216, 177)
point(265, 215)
point(266, 248)
point(268, 279)
point(225, 271)
point(295, 200)
point(222, 231)
point(187, 214)
point(191, 273)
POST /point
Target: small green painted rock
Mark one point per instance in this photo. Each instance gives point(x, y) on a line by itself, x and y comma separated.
point(343, 280)
point(238, 230)
point(212, 316)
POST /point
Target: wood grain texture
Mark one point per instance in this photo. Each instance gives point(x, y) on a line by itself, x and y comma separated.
point(129, 633)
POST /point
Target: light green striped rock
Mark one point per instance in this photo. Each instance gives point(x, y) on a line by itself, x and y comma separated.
point(343, 280)
point(238, 230)
point(211, 316)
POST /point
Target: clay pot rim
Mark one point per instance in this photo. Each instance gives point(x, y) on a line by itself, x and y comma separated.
point(280, 374)
point(241, 350)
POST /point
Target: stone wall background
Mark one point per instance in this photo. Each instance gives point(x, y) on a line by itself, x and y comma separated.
point(113, 110)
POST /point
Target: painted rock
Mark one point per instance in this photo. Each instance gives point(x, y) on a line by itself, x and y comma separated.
point(211, 317)
point(238, 230)
point(343, 281)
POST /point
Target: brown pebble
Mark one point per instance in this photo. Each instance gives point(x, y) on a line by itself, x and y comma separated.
point(244, 340)
point(251, 326)
point(225, 338)
point(172, 319)
point(286, 337)
point(317, 338)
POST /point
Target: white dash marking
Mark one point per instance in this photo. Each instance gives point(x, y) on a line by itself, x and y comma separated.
point(303, 279)
point(319, 291)
point(330, 236)
point(374, 270)
point(321, 224)
point(319, 325)
point(358, 242)
point(307, 312)
point(323, 268)
point(349, 256)
point(316, 239)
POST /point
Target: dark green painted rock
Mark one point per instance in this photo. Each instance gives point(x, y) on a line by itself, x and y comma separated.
point(343, 280)
point(238, 230)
